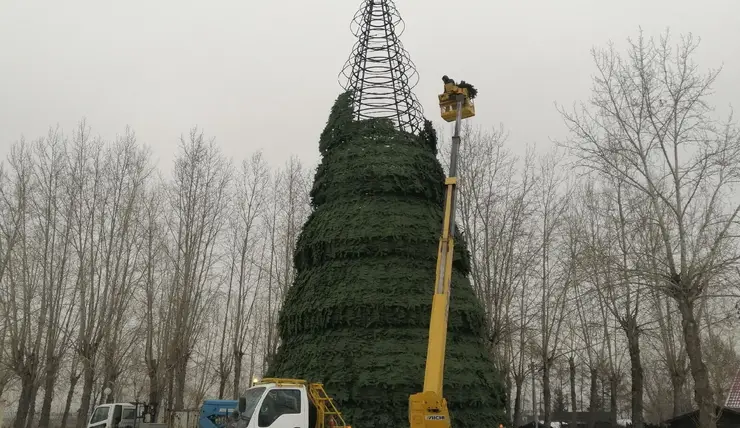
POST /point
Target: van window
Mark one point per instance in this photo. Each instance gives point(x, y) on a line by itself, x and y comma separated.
point(100, 415)
point(279, 402)
point(128, 414)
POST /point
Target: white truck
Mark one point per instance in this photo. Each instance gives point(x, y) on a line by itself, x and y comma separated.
point(120, 415)
point(113, 415)
point(288, 403)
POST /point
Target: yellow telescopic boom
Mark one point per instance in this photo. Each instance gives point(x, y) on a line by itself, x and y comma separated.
point(428, 409)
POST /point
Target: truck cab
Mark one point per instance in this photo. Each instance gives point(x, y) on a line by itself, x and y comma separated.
point(113, 415)
point(288, 403)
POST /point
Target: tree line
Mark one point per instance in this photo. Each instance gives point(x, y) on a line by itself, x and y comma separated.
point(608, 267)
point(115, 277)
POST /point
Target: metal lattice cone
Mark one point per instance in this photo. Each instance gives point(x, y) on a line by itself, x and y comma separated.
point(379, 72)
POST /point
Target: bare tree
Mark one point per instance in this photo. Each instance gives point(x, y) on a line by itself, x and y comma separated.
point(158, 320)
point(86, 195)
point(658, 404)
point(284, 218)
point(586, 229)
point(592, 340)
point(294, 209)
point(722, 359)
point(225, 361)
point(556, 274)
point(128, 171)
point(255, 342)
point(273, 287)
point(649, 126)
point(671, 348)
point(24, 295)
point(74, 377)
point(520, 354)
point(251, 197)
point(573, 356)
point(105, 187)
point(201, 369)
point(6, 375)
point(9, 224)
point(54, 222)
point(613, 257)
point(9, 230)
point(496, 215)
point(199, 201)
point(610, 366)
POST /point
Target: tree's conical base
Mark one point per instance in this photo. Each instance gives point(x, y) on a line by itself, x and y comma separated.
point(357, 316)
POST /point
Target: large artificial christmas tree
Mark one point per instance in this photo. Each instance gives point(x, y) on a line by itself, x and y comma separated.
point(357, 316)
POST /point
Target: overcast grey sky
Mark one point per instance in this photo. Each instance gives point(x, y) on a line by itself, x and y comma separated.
point(263, 74)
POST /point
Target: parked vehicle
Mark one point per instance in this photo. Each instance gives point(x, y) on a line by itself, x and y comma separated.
point(288, 403)
point(113, 415)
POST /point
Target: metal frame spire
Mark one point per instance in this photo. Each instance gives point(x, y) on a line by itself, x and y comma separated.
point(379, 71)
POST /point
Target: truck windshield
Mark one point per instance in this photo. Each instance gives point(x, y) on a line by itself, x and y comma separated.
point(100, 415)
point(252, 397)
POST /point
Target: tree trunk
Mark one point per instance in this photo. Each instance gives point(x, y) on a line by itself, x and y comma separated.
point(509, 389)
point(112, 380)
point(73, 378)
point(154, 387)
point(30, 422)
point(181, 372)
point(593, 398)
point(678, 380)
point(703, 394)
point(518, 382)
point(238, 356)
point(546, 393)
point(573, 397)
point(613, 384)
point(223, 373)
point(111, 376)
point(87, 387)
point(52, 368)
point(222, 378)
point(170, 389)
point(24, 402)
point(252, 361)
point(637, 389)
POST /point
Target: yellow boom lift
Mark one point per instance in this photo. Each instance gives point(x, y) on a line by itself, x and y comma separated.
point(428, 409)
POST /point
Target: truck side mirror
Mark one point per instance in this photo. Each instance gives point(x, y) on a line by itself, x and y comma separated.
point(242, 404)
point(117, 415)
